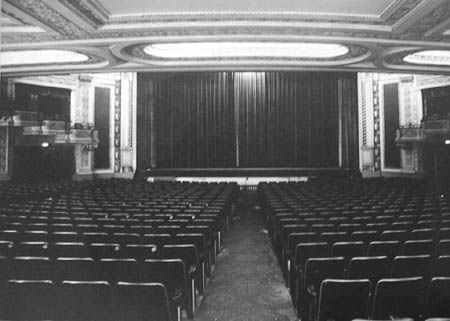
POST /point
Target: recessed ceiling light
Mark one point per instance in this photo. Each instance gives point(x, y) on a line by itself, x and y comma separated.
point(37, 57)
point(245, 49)
point(429, 57)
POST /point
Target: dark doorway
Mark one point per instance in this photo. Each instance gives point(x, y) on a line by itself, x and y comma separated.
point(391, 123)
point(102, 124)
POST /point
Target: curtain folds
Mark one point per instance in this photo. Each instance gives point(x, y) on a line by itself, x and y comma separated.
point(247, 119)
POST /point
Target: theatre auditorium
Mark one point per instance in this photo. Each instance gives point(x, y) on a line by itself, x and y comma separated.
point(212, 160)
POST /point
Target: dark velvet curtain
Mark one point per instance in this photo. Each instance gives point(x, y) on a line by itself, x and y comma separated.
point(247, 119)
point(287, 119)
point(145, 113)
point(194, 119)
point(348, 106)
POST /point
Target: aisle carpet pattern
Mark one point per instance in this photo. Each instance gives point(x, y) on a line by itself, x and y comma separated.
point(246, 284)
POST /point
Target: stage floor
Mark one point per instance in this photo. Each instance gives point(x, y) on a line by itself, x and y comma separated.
point(247, 176)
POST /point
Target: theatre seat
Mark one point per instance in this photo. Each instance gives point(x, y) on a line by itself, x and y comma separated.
point(373, 268)
point(6, 248)
point(333, 237)
point(443, 247)
point(398, 298)
point(343, 300)
point(142, 302)
point(418, 247)
point(411, 266)
point(116, 270)
point(64, 237)
point(68, 249)
point(31, 248)
point(86, 300)
point(438, 298)
point(317, 270)
point(104, 250)
point(394, 235)
point(139, 252)
point(75, 269)
point(384, 248)
point(171, 273)
point(365, 236)
point(31, 268)
point(442, 266)
point(348, 250)
point(25, 300)
point(303, 252)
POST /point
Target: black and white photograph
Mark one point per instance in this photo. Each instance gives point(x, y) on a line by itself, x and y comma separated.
point(225, 160)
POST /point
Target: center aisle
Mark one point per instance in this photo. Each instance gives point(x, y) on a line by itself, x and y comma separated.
point(246, 284)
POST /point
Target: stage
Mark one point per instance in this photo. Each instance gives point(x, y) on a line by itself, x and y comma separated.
point(248, 176)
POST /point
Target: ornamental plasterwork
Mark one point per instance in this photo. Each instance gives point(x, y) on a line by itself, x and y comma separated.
point(400, 11)
point(87, 23)
point(50, 17)
point(437, 16)
point(137, 51)
point(90, 12)
point(68, 30)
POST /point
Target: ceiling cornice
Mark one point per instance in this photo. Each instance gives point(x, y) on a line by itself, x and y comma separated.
point(64, 24)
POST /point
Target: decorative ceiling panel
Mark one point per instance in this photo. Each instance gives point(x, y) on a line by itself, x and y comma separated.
point(346, 7)
point(120, 29)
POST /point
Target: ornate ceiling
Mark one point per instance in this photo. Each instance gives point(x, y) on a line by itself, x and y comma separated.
point(113, 34)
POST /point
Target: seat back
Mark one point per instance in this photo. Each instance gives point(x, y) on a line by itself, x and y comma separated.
point(442, 266)
point(186, 252)
point(171, 273)
point(411, 266)
point(6, 248)
point(319, 269)
point(300, 237)
point(141, 302)
point(443, 247)
point(116, 270)
point(418, 247)
point(438, 298)
point(343, 300)
point(373, 268)
point(76, 269)
point(384, 248)
point(423, 234)
point(159, 239)
point(394, 235)
point(401, 297)
point(104, 250)
point(30, 300)
point(333, 237)
point(68, 249)
point(31, 268)
point(365, 236)
point(139, 252)
point(86, 300)
point(31, 248)
point(126, 238)
point(305, 251)
point(348, 249)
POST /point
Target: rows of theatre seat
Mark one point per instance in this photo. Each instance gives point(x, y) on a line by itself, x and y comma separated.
point(377, 248)
point(110, 250)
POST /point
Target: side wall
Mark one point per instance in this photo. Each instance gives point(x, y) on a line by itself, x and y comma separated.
point(372, 124)
point(121, 88)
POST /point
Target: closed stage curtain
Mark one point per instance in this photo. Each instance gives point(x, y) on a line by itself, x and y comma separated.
point(194, 119)
point(247, 119)
point(287, 119)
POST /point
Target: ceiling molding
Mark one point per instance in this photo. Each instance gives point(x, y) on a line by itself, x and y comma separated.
point(89, 25)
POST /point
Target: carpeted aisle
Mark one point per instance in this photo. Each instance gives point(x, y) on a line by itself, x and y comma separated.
point(246, 284)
